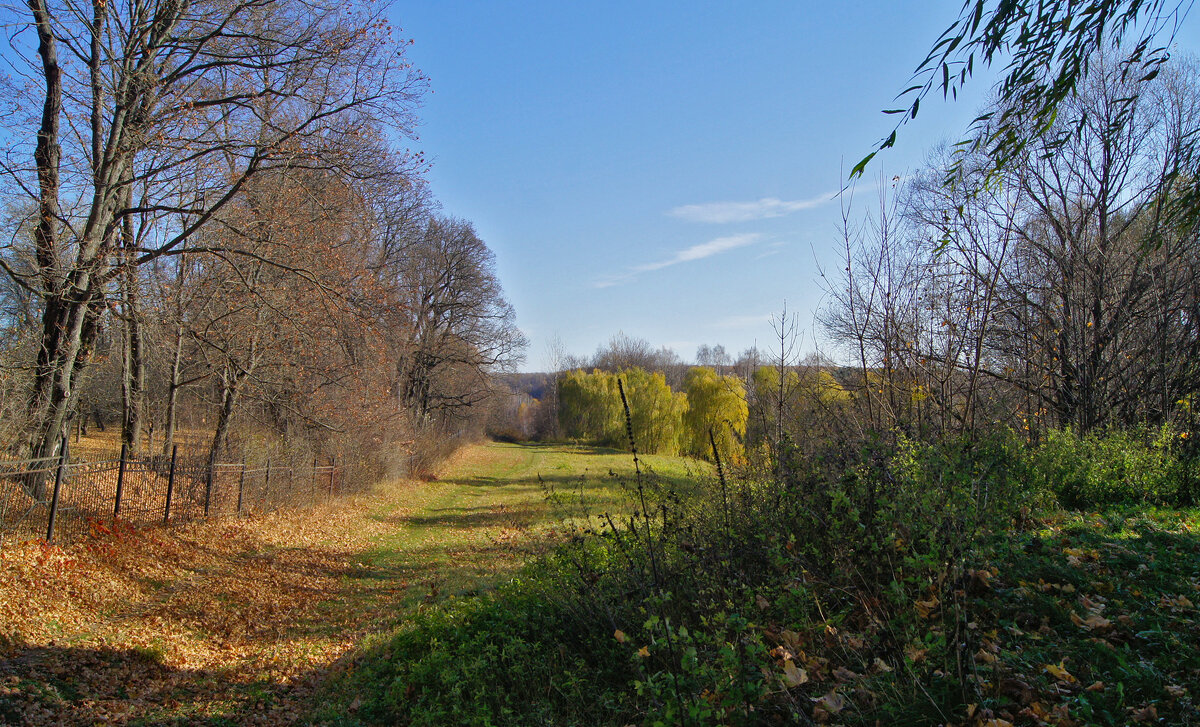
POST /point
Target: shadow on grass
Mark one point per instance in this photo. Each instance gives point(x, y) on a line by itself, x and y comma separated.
point(598, 477)
point(64, 685)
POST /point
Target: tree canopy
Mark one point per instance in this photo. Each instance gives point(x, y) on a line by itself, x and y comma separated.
point(1047, 48)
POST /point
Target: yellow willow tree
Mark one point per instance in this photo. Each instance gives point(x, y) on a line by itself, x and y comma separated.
point(589, 407)
point(164, 111)
point(655, 412)
point(716, 404)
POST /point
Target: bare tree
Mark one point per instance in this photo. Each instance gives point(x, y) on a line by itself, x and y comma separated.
point(185, 101)
point(1064, 296)
point(458, 326)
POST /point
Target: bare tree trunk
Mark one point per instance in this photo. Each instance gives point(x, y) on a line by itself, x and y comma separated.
point(231, 386)
point(173, 387)
point(69, 330)
point(133, 381)
point(74, 303)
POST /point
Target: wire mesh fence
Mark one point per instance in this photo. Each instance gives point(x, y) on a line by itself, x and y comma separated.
point(61, 500)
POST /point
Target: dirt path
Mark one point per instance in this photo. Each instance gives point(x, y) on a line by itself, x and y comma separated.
point(235, 621)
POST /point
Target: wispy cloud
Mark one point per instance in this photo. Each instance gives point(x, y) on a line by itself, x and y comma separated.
point(695, 252)
point(773, 249)
point(724, 212)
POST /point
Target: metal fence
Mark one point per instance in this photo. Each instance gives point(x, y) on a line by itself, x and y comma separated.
point(61, 500)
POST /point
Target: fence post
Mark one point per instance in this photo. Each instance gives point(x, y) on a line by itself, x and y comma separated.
point(313, 486)
point(241, 486)
point(208, 485)
point(170, 485)
point(120, 480)
point(332, 470)
point(58, 478)
point(267, 485)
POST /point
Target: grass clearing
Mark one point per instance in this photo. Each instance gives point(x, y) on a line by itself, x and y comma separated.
point(1062, 619)
point(236, 621)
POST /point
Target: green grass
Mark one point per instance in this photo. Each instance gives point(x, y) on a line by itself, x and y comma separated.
point(491, 506)
point(1111, 598)
point(467, 532)
point(1071, 619)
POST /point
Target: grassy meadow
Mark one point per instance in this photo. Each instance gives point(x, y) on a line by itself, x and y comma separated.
point(497, 592)
point(878, 591)
point(237, 621)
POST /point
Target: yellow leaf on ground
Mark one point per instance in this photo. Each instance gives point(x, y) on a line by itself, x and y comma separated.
point(926, 608)
point(793, 676)
point(619, 635)
point(1059, 672)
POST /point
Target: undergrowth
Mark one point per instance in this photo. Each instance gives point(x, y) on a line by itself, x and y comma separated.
point(881, 582)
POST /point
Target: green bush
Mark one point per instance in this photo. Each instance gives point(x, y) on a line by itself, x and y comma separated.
point(1114, 467)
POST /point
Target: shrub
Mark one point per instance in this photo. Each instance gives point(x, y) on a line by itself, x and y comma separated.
point(1114, 467)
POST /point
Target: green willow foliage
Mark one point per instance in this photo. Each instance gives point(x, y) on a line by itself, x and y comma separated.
point(664, 421)
point(718, 404)
point(589, 407)
point(656, 413)
point(590, 410)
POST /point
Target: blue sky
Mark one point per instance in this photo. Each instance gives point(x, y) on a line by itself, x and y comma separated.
point(666, 169)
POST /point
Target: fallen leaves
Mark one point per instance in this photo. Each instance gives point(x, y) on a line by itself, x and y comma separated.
point(915, 654)
point(201, 621)
point(827, 706)
point(1145, 715)
point(1077, 557)
point(793, 676)
point(1180, 602)
point(1060, 673)
point(1094, 622)
point(926, 609)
